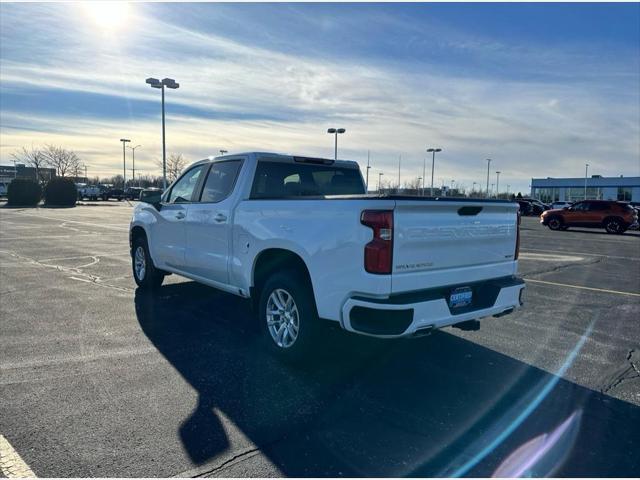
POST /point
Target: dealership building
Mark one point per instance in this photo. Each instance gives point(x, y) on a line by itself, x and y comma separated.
point(598, 188)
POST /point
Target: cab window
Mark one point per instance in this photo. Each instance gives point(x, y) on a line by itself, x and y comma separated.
point(183, 190)
point(220, 181)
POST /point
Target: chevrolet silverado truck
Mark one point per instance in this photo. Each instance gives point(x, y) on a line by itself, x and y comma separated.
point(300, 237)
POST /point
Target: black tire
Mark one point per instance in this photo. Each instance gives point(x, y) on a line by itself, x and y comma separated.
point(614, 226)
point(307, 338)
point(149, 277)
point(555, 223)
point(564, 228)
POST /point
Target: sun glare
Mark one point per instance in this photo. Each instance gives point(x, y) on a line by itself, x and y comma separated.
point(109, 16)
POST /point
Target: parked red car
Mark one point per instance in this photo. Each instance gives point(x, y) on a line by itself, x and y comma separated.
point(614, 217)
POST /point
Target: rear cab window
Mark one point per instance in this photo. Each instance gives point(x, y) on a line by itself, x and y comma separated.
point(297, 179)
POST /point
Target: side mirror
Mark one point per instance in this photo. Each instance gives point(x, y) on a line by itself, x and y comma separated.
point(152, 198)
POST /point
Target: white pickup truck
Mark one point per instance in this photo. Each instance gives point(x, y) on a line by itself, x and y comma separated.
point(301, 238)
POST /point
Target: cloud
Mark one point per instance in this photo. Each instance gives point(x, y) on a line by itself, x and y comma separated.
point(240, 97)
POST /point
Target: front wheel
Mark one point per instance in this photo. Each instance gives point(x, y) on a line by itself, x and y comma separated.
point(555, 223)
point(614, 225)
point(146, 275)
point(288, 318)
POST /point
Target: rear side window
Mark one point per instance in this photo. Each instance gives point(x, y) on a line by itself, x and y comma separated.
point(220, 181)
point(273, 180)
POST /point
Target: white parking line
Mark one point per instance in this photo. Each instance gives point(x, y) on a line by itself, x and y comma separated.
point(604, 290)
point(11, 463)
point(62, 220)
point(637, 259)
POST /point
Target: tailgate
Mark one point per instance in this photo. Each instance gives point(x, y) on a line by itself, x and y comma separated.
point(439, 242)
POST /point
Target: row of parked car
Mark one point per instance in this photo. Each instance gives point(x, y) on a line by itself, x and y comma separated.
point(103, 192)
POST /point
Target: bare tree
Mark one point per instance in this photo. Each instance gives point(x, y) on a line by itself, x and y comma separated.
point(66, 162)
point(175, 164)
point(34, 158)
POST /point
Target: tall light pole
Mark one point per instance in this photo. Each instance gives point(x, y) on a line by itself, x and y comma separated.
point(508, 188)
point(488, 164)
point(433, 151)
point(336, 131)
point(124, 163)
point(223, 151)
point(473, 189)
point(86, 179)
point(380, 180)
point(498, 184)
point(169, 83)
point(399, 162)
point(133, 159)
point(419, 182)
point(368, 168)
point(586, 173)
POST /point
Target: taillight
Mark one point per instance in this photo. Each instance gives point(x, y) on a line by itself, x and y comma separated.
point(378, 252)
point(517, 254)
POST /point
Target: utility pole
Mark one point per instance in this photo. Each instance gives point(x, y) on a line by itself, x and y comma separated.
point(399, 162)
point(433, 163)
point(124, 162)
point(133, 159)
point(488, 165)
point(586, 173)
point(498, 184)
point(368, 168)
point(380, 180)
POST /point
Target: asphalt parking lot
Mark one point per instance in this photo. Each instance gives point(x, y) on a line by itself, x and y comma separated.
point(98, 380)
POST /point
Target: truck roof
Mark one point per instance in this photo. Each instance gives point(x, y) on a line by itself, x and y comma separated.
point(284, 157)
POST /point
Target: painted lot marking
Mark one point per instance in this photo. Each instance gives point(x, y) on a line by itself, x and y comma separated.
point(11, 463)
point(546, 257)
point(604, 290)
point(62, 220)
point(528, 250)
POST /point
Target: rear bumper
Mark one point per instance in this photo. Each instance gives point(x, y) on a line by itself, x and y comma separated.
point(412, 313)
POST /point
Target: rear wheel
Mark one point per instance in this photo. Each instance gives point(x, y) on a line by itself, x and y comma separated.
point(146, 275)
point(289, 323)
point(614, 225)
point(555, 223)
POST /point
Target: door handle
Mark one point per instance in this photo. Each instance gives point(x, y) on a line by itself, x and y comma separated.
point(180, 215)
point(221, 217)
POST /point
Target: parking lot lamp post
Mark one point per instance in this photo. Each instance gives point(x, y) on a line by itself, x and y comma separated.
point(380, 180)
point(586, 173)
point(124, 162)
point(368, 168)
point(488, 165)
point(336, 131)
point(169, 83)
point(473, 188)
point(86, 179)
point(498, 184)
point(133, 161)
point(433, 152)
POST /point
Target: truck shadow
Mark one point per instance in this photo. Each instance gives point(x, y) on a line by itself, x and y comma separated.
point(436, 406)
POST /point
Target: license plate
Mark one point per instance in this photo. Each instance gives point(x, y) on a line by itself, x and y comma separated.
point(460, 297)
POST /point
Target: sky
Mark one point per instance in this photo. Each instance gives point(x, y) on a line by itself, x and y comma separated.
point(541, 89)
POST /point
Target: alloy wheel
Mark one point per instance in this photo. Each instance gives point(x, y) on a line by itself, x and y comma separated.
point(283, 318)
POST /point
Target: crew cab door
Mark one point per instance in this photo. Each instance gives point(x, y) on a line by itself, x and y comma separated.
point(209, 223)
point(169, 236)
